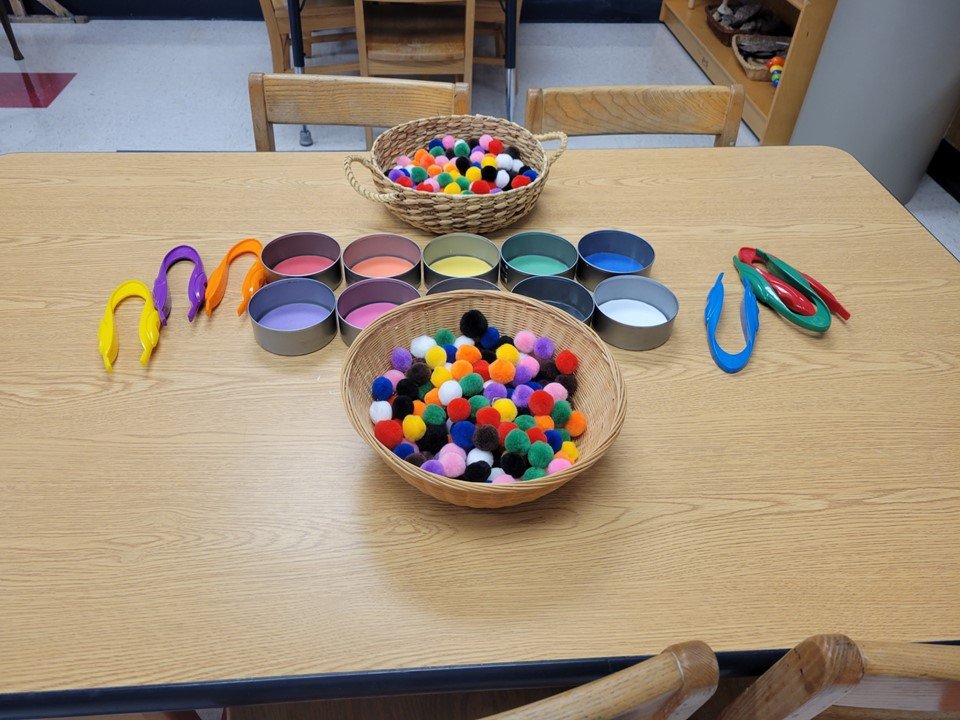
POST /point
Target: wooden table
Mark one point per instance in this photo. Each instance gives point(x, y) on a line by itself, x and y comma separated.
point(208, 530)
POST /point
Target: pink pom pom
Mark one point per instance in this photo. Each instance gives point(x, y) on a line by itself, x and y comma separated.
point(448, 141)
point(453, 465)
point(394, 376)
point(532, 364)
point(451, 448)
point(485, 141)
point(476, 157)
point(557, 465)
point(524, 340)
point(403, 161)
point(556, 390)
point(432, 182)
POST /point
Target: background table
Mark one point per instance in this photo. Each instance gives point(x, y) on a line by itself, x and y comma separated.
point(209, 530)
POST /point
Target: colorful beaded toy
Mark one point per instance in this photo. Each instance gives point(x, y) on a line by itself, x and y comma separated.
point(775, 66)
point(481, 166)
point(480, 407)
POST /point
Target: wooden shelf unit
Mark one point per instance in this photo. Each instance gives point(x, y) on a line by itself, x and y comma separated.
point(770, 112)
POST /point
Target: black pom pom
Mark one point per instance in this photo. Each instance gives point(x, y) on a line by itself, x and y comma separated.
point(513, 464)
point(548, 372)
point(488, 355)
point(569, 382)
point(420, 373)
point(417, 459)
point(434, 439)
point(504, 340)
point(473, 142)
point(408, 388)
point(462, 164)
point(473, 324)
point(488, 173)
point(477, 472)
point(486, 437)
point(513, 152)
point(402, 406)
point(524, 168)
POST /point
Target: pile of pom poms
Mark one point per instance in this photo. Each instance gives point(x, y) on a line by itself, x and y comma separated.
point(479, 166)
point(481, 406)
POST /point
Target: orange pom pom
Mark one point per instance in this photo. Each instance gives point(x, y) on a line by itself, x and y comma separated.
point(470, 353)
point(577, 424)
point(544, 422)
point(433, 398)
point(460, 368)
point(561, 455)
point(418, 407)
point(502, 371)
point(434, 170)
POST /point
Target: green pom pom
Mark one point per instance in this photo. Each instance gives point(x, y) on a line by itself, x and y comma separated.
point(517, 441)
point(434, 415)
point(477, 402)
point(472, 385)
point(467, 192)
point(444, 179)
point(463, 183)
point(565, 434)
point(561, 412)
point(540, 453)
point(461, 149)
point(418, 174)
point(534, 473)
point(525, 422)
point(424, 389)
point(444, 337)
point(437, 151)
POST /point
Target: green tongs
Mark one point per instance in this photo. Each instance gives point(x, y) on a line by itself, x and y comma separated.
point(818, 322)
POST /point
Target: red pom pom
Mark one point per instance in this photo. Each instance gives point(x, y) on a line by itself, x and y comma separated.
point(504, 429)
point(405, 181)
point(480, 187)
point(540, 403)
point(495, 147)
point(389, 433)
point(536, 434)
point(458, 409)
point(519, 181)
point(488, 416)
point(423, 187)
point(566, 362)
point(482, 368)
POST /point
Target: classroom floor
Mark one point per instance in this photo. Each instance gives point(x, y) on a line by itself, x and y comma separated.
point(181, 85)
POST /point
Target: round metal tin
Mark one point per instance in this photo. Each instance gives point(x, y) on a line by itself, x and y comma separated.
point(535, 242)
point(467, 283)
point(568, 295)
point(460, 244)
point(367, 292)
point(303, 243)
point(289, 335)
point(634, 287)
point(611, 241)
point(383, 245)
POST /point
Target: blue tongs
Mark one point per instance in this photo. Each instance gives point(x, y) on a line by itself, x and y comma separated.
point(749, 323)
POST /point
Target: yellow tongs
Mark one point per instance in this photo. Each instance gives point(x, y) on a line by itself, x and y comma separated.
point(255, 279)
point(107, 336)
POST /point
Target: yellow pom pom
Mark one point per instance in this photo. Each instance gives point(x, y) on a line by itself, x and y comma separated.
point(435, 357)
point(509, 353)
point(452, 189)
point(488, 160)
point(440, 376)
point(473, 173)
point(451, 167)
point(569, 448)
point(506, 408)
point(414, 427)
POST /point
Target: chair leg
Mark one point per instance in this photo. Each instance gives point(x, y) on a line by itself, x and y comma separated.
point(5, 21)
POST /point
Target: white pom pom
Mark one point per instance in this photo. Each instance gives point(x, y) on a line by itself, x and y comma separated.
point(517, 164)
point(478, 455)
point(462, 340)
point(380, 410)
point(504, 161)
point(503, 179)
point(495, 473)
point(450, 390)
point(420, 345)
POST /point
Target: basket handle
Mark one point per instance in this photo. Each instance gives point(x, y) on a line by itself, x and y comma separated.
point(362, 190)
point(556, 135)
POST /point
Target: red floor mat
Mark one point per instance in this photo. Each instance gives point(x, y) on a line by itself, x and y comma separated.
point(31, 90)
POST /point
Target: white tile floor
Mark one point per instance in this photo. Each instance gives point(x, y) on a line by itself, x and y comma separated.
point(181, 85)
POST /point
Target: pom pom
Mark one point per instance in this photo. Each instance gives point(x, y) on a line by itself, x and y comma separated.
point(544, 422)
point(388, 432)
point(424, 389)
point(540, 403)
point(494, 391)
point(444, 337)
point(382, 388)
point(463, 164)
point(448, 141)
point(404, 181)
point(419, 373)
point(565, 434)
point(502, 371)
point(435, 356)
point(417, 458)
point(461, 149)
point(487, 355)
point(439, 376)
point(543, 348)
point(569, 449)
point(463, 183)
point(394, 376)
point(413, 428)
point(471, 384)
point(473, 174)
point(576, 424)
point(461, 341)
point(477, 402)
point(404, 449)
point(453, 465)
point(557, 465)
point(461, 368)
point(488, 416)
point(519, 181)
point(554, 439)
point(540, 454)
point(521, 396)
point(409, 388)
point(506, 408)
point(485, 437)
point(522, 375)
point(402, 406)
point(459, 409)
point(451, 448)
point(433, 466)
point(380, 410)
point(504, 429)
point(561, 413)
point(473, 324)
point(484, 141)
point(451, 351)
point(524, 341)
point(432, 397)
point(497, 475)
point(525, 422)
point(504, 340)
point(504, 162)
point(462, 434)
point(480, 187)
point(477, 472)
point(401, 359)
point(503, 179)
point(468, 353)
point(488, 173)
point(566, 362)
point(536, 435)
point(513, 464)
point(478, 455)
point(450, 390)
point(508, 352)
point(395, 174)
point(557, 391)
point(434, 415)
point(482, 368)
point(517, 441)
point(418, 174)
point(534, 473)
point(495, 190)
point(452, 189)
point(489, 339)
point(433, 439)
point(548, 371)
point(476, 157)
point(444, 179)
point(534, 385)
point(495, 146)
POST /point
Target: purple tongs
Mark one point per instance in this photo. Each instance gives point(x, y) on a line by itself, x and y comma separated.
point(195, 289)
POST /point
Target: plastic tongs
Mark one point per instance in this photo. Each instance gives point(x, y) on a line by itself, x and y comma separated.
point(196, 287)
point(765, 292)
point(790, 296)
point(107, 336)
point(749, 323)
point(255, 279)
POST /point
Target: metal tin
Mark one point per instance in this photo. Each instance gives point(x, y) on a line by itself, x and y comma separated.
point(366, 292)
point(563, 293)
point(380, 245)
point(460, 243)
point(633, 287)
point(534, 242)
point(303, 243)
point(614, 241)
point(293, 291)
point(466, 283)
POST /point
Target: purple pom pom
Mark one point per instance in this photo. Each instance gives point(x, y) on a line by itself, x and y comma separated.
point(494, 391)
point(523, 375)
point(521, 395)
point(543, 348)
point(401, 359)
point(433, 466)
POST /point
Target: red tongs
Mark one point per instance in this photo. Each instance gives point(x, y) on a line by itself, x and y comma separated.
point(790, 296)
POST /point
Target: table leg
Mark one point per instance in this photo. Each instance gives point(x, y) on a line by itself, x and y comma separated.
point(5, 21)
point(510, 55)
point(296, 56)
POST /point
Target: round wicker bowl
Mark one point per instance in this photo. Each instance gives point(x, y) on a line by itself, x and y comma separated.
point(441, 213)
point(600, 394)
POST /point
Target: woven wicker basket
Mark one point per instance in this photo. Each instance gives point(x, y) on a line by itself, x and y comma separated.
point(441, 213)
point(600, 394)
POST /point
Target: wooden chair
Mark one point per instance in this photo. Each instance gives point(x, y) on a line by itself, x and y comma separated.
point(682, 109)
point(331, 19)
point(416, 37)
point(8, 29)
point(491, 20)
point(359, 102)
point(832, 670)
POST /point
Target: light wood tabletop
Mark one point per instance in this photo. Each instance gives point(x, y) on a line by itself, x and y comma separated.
point(213, 517)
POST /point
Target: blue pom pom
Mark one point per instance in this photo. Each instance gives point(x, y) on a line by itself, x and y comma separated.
point(554, 438)
point(451, 353)
point(436, 142)
point(405, 448)
point(382, 388)
point(462, 434)
point(532, 174)
point(534, 385)
point(490, 338)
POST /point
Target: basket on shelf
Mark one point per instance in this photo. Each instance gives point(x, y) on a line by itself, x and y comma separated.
point(754, 69)
point(442, 213)
point(600, 393)
point(723, 33)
